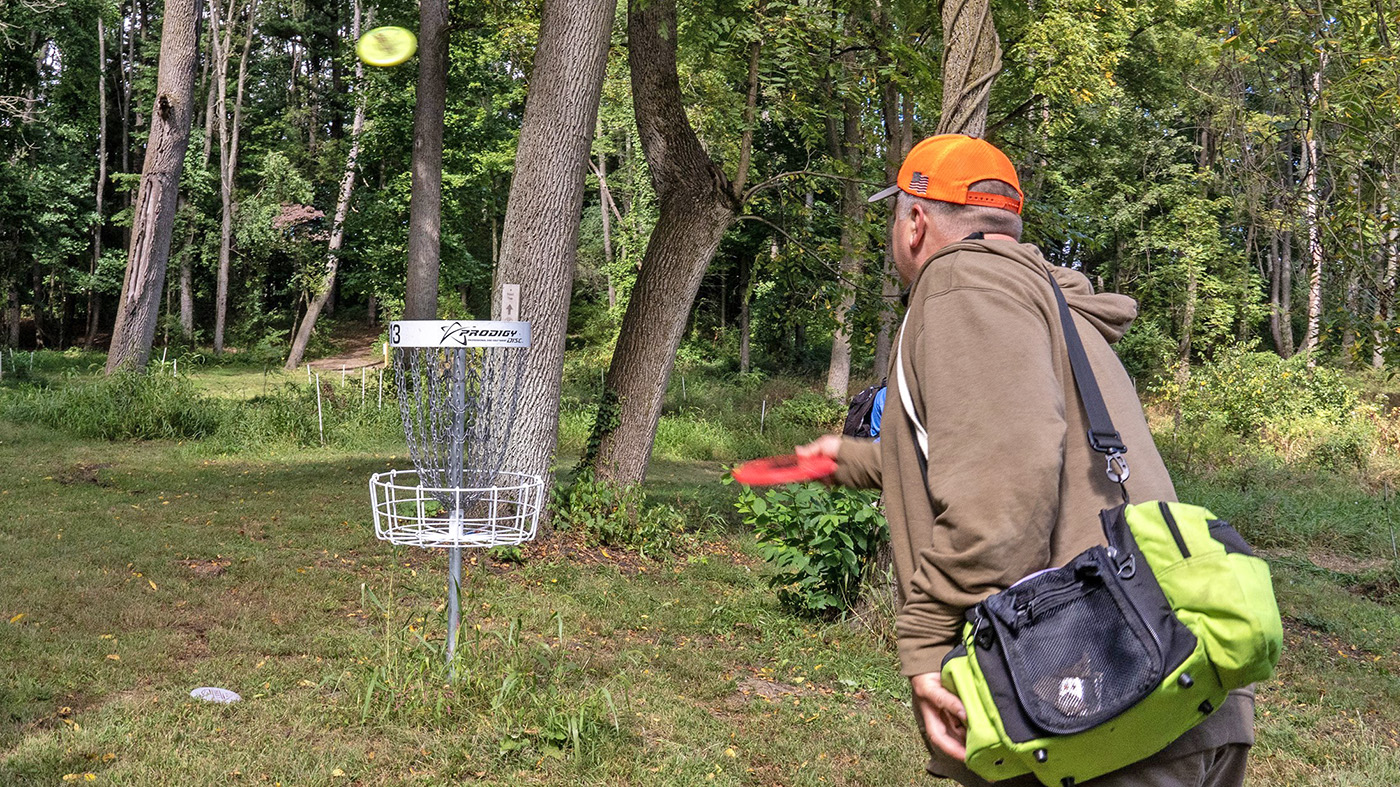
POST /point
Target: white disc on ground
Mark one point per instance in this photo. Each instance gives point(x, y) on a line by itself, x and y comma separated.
point(213, 694)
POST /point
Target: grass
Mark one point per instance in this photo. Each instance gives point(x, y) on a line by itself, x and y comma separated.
point(138, 571)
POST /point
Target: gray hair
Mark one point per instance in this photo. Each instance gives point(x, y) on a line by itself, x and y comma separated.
point(967, 219)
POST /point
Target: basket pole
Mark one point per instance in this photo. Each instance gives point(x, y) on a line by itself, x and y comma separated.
point(456, 460)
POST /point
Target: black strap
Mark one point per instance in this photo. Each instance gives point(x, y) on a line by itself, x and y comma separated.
point(1102, 436)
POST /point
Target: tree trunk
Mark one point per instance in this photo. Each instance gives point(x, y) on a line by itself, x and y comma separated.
point(899, 139)
point(1385, 298)
point(342, 209)
point(425, 202)
point(696, 203)
point(12, 316)
point(228, 148)
point(1310, 211)
point(539, 239)
point(838, 375)
point(154, 216)
point(746, 269)
point(971, 60)
point(94, 300)
point(603, 199)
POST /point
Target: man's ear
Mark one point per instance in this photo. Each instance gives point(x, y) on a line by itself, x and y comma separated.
point(918, 227)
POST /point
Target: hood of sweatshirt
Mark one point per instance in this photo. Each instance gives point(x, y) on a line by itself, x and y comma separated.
point(1109, 312)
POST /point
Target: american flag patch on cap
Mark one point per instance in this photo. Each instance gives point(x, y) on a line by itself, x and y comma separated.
point(919, 182)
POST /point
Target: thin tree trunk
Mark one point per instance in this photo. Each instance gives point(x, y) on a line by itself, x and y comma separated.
point(1310, 209)
point(697, 202)
point(228, 150)
point(539, 237)
point(154, 216)
point(94, 300)
point(838, 375)
point(12, 316)
point(746, 269)
point(898, 141)
point(971, 60)
point(425, 202)
point(1385, 299)
point(603, 200)
point(342, 209)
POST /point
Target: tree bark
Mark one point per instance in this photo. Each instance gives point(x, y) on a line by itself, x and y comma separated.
point(838, 375)
point(746, 269)
point(539, 239)
point(94, 300)
point(899, 139)
point(425, 202)
point(154, 216)
point(228, 147)
point(697, 202)
point(971, 60)
point(342, 209)
point(603, 199)
point(12, 316)
point(1310, 212)
point(1385, 298)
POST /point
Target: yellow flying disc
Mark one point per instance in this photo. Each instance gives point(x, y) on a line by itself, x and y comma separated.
point(386, 46)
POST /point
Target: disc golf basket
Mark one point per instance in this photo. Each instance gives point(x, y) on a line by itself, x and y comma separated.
point(458, 386)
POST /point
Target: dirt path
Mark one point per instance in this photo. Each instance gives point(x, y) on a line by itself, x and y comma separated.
point(357, 347)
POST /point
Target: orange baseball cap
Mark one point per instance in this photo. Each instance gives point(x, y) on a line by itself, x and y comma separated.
point(943, 167)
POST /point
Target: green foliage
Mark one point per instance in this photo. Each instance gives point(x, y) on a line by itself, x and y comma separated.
point(812, 410)
point(615, 515)
point(526, 686)
point(1243, 390)
point(124, 406)
point(821, 541)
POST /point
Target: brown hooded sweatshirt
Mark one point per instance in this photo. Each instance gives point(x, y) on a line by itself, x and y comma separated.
point(1012, 486)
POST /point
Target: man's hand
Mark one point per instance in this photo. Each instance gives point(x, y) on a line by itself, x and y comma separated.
point(945, 719)
point(828, 445)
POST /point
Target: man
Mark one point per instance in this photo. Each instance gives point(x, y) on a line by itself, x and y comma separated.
point(1012, 485)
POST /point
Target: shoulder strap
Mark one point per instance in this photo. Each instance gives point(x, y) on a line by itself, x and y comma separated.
point(1102, 436)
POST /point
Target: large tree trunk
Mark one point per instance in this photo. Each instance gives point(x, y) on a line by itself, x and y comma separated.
point(539, 240)
point(228, 148)
point(12, 316)
point(1311, 202)
point(425, 202)
point(746, 268)
point(154, 215)
point(342, 209)
point(94, 300)
point(971, 60)
point(697, 202)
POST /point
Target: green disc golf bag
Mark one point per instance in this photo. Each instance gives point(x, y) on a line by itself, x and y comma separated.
point(1080, 670)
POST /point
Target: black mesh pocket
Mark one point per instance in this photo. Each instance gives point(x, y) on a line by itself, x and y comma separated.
point(1076, 651)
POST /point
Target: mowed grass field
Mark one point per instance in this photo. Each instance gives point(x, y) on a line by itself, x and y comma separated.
point(134, 572)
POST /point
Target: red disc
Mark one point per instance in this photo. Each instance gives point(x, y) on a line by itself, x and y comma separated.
point(787, 469)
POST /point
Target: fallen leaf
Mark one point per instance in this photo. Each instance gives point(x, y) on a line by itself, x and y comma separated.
point(17, 618)
point(114, 657)
point(152, 584)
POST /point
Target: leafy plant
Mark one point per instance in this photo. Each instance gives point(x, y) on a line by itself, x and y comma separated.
point(821, 541)
point(810, 409)
point(614, 515)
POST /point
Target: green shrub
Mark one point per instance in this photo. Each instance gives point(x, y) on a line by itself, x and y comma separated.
point(614, 515)
point(1243, 389)
point(123, 406)
point(812, 410)
point(821, 541)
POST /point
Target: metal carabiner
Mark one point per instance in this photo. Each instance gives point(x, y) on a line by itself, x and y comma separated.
point(1117, 467)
